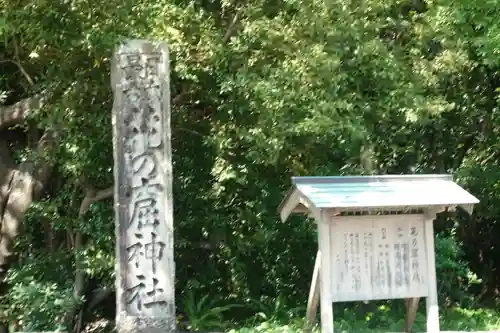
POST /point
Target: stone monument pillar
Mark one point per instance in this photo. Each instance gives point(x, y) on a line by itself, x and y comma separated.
point(143, 188)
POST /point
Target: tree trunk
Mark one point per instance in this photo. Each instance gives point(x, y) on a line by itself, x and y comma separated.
point(19, 186)
point(18, 190)
point(74, 317)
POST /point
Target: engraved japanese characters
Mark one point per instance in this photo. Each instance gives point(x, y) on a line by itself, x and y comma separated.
point(381, 257)
point(143, 176)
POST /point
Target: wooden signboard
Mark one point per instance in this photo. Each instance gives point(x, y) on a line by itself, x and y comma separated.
point(377, 257)
point(375, 239)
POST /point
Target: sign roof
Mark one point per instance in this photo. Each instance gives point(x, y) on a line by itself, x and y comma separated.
point(370, 192)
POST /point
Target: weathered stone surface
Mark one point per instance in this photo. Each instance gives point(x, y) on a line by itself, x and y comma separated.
point(130, 324)
point(143, 188)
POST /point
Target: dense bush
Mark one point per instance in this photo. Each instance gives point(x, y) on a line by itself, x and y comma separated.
point(261, 91)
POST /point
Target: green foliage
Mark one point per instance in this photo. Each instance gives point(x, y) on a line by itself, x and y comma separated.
point(276, 309)
point(268, 327)
point(455, 277)
point(35, 305)
point(315, 88)
point(203, 314)
point(39, 293)
point(455, 319)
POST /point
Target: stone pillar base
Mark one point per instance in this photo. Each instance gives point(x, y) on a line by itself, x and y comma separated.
point(131, 324)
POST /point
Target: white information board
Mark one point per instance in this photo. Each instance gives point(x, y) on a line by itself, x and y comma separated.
point(377, 257)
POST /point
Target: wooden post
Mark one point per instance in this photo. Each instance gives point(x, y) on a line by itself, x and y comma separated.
point(143, 188)
point(411, 305)
point(325, 274)
point(432, 298)
point(314, 295)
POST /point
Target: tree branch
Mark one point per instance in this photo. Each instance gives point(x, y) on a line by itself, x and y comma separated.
point(18, 63)
point(181, 129)
point(18, 112)
point(21, 69)
point(232, 27)
point(468, 143)
point(487, 159)
point(21, 188)
point(91, 196)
